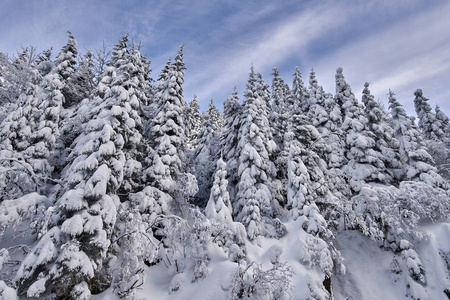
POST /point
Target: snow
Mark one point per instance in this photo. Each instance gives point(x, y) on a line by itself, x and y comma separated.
point(37, 288)
point(12, 211)
point(7, 293)
point(73, 225)
point(367, 276)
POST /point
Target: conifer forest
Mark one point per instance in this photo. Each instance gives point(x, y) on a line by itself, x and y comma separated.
point(114, 186)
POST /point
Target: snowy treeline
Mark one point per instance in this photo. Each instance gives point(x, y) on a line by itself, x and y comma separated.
point(105, 172)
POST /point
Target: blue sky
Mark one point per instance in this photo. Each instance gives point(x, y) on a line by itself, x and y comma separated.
point(402, 45)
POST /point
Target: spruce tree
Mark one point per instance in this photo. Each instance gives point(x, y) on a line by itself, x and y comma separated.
point(194, 122)
point(254, 197)
point(229, 139)
point(385, 142)
point(18, 177)
point(307, 193)
point(427, 118)
point(205, 156)
point(166, 166)
point(216, 117)
point(306, 169)
point(365, 162)
point(417, 162)
point(442, 122)
point(81, 232)
point(300, 93)
point(65, 64)
point(278, 114)
point(317, 112)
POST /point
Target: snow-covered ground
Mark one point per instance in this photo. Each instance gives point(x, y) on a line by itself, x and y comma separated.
point(368, 270)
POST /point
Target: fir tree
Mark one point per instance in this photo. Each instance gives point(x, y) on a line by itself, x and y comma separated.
point(82, 81)
point(278, 114)
point(417, 162)
point(440, 149)
point(300, 93)
point(364, 160)
point(229, 139)
point(194, 122)
point(426, 117)
point(166, 167)
point(80, 236)
point(254, 197)
point(65, 65)
point(205, 156)
point(225, 232)
point(217, 120)
point(385, 142)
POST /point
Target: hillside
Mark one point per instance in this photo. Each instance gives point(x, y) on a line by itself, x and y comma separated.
point(113, 186)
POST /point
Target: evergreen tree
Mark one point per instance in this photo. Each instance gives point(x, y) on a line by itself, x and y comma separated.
point(325, 116)
point(300, 92)
point(166, 167)
point(66, 60)
point(217, 120)
point(254, 198)
point(440, 150)
point(417, 162)
point(43, 62)
point(328, 125)
point(152, 108)
point(206, 155)
point(229, 139)
point(80, 235)
point(19, 175)
point(442, 122)
point(427, 119)
point(15, 75)
point(307, 191)
point(306, 169)
point(278, 114)
point(194, 122)
point(65, 65)
point(46, 136)
point(364, 160)
point(226, 233)
point(317, 112)
point(385, 142)
point(82, 81)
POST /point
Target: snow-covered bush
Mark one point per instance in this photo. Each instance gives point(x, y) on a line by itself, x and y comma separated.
point(259, 282)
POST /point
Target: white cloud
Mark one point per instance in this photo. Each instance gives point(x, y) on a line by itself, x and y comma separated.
point(415, 53)
point(269, 49)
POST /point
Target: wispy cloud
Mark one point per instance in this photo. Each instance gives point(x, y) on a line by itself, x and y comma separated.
point(411, 54)
point(269, 49)
point(402, 45)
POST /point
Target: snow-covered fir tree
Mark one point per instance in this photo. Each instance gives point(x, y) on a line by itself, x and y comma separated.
point(225, 232)
point(427, 118)
point(254, 205)
point(194, 122)
point(442, 122)
point(365, 162)
point(229, 139)
point(385, 142)
point(80, 235)
point(300, 93)
point(278, 112)
point(166, 166)
point(417, 162)
point(65, 64)
point(206, 155)
point(332, 135)
point(216, 117)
